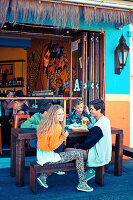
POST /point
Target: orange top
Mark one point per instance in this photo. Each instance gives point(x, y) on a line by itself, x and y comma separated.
point(51, 140)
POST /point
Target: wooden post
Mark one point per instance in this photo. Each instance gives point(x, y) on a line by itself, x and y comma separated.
point(64, 102)
point(91, 67)
point(86, 71)
point(70, 103)
point(83, 66)
point(96, 66)
point(0, 141)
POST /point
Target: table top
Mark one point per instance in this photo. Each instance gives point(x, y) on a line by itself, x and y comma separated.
point(27, 133)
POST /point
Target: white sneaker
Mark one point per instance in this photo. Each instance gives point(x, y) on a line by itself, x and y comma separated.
point(84, 187)
point(42, 180)
point(89, 174)
point(60, 173)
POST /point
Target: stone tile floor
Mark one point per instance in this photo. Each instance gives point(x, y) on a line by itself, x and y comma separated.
point(64, 187)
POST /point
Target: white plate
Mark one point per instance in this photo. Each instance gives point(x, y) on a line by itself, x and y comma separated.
point(76, 126)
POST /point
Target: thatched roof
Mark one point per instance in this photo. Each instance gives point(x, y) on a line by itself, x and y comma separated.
point(108, 15)
point(36, 12)
point(3, 11)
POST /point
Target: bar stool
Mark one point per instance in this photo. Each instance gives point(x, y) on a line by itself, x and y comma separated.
point(0, 141)
point(16, 122)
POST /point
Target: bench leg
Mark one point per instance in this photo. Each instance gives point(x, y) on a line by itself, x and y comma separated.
point(33, 180)
point(99, 176)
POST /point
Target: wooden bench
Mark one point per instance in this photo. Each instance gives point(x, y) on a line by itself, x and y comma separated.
point(128, 151)
point(35, 169)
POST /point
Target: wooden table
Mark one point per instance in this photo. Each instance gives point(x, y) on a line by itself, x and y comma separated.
point(18, 138)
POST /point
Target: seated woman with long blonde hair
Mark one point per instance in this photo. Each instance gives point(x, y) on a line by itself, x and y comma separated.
point(50, 135)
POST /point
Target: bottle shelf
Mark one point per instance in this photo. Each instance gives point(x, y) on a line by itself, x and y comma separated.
point(11, 86)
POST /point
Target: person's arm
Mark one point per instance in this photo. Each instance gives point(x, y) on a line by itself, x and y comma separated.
point(56, 139)
point(10, 105)
point(69, 120)
point(30, 123)
point(4, 104)
point(91, 140)
point(86, 109)
point(92, 122)
point(27, 103)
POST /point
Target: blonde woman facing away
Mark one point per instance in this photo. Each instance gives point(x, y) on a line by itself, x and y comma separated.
point(50, 135)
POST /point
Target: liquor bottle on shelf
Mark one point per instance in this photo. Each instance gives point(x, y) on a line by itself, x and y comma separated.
point(11, 70)
point(18, 83)
point(0, 70)
point(14, 81)
point(4, 78)
point(7, 82)
point(11, 82)
point(22, 81)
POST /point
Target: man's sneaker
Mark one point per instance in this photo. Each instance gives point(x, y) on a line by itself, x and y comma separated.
point(84, 187)
point(60, 173)
point(42, 180)
point(89, 174)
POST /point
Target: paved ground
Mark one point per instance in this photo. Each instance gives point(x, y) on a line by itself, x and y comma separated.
point(64, 187)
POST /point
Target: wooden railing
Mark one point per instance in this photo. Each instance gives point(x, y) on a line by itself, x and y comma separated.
point(65, 99)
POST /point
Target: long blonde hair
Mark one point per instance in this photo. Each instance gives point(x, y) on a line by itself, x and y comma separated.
point(49, 121)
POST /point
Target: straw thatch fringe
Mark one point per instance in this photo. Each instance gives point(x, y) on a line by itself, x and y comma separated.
point(34, 12)
point(4, 4)
point(31, 11)
point(108, 15)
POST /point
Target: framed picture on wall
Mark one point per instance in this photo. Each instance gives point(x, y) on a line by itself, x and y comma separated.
point(6, 72)
point(7, 69)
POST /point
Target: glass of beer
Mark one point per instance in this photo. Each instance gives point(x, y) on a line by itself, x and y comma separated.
point(84, 121)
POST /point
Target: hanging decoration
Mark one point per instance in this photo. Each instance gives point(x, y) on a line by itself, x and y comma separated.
point(54, 72)
point(58, 72)
point(76, 88)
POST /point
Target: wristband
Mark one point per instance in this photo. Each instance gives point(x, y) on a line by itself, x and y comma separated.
point(64, 136)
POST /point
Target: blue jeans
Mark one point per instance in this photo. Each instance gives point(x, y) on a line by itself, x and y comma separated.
point(60, 148)
point(33, 143)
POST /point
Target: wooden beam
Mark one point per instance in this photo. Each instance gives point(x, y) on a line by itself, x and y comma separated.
point(9, 61)
point(39, 98)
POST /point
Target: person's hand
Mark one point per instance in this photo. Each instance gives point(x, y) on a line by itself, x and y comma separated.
point(87, 120)
point(86, 109)
point(65, 133)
